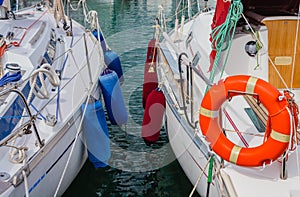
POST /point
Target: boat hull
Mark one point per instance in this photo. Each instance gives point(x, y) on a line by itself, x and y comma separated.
point(184, 89)
point(44, 178)
point(44, 151)
point(187, 149)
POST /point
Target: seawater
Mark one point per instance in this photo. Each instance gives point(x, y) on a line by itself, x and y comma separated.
point(135, 168)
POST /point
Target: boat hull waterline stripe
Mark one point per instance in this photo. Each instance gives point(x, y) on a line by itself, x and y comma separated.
point(47, 172)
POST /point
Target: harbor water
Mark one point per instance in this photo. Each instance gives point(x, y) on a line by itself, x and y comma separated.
point(135, 168)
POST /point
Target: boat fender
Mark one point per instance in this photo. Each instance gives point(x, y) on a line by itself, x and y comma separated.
point(153, 116)
point(113, 97)
point(102, 40)
point(150, 81)
point(278, 139)
point(10, 77)
point(150, 77)
point(96, 134)
point(113, 62)
point(151, 51)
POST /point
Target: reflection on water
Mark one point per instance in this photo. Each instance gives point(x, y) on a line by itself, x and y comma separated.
point(135, 169)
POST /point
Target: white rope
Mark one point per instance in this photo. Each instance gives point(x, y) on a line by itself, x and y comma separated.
point(82, 78)
point(18, 154)
point(25, 183)
point(91, 18)
point(73, 146)
point(199, 178)
point(85, 9)
point(291, 132)
point(52, 76)
point(294, 129)
point(176, 11)
point(98, 33)
point(278, 73)
point(295, 48)
point(79, 127)
point(78, 4)
point(59, 13)
point(252, 31)
point(261, 44)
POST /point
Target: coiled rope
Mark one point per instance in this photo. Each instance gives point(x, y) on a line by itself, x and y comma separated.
point(18, 154)
point(224, 34)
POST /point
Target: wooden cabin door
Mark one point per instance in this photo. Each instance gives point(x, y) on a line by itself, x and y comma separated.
point(282, 36)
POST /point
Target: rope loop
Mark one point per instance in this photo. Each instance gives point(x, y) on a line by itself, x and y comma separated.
point(51, 76)
point(224, 34)
point(92, 18)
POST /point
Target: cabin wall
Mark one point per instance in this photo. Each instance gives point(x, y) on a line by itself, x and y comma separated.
point(282, 40)
point(240, 63)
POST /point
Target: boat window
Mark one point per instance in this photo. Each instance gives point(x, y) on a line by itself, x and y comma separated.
point(251, 48)
point(196, 59)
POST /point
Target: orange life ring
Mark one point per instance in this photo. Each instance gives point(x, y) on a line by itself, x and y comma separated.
point(279, 117)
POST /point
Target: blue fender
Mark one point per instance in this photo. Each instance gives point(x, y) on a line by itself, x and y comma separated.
point(96, 134)
point(113, 97)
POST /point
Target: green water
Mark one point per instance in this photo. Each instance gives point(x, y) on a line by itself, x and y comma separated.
point(135, 169)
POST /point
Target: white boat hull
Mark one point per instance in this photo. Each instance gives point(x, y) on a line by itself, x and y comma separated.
point(44, 179)
point(185, 146)
point(189, 46)
point(43, 157)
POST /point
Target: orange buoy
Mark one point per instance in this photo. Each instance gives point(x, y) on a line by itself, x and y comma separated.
point(153, 115)
point(279, 120)
point(150, 77)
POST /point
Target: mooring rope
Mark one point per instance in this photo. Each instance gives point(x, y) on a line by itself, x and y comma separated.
point(295, 48)
point(200, 176)
point(25, 183)
point(42, 94)
point(73, 146)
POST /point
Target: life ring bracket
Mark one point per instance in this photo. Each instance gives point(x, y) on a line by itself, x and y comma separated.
point(232, 93)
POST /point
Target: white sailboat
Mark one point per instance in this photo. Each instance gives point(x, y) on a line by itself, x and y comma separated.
point(50, 66)
point(230, 77)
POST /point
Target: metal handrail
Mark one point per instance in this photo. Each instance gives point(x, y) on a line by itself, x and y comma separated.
point(25, 126)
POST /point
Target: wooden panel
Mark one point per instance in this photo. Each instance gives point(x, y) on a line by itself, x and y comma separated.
point(296, 83)
point(260, 110)
point(281, 39)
